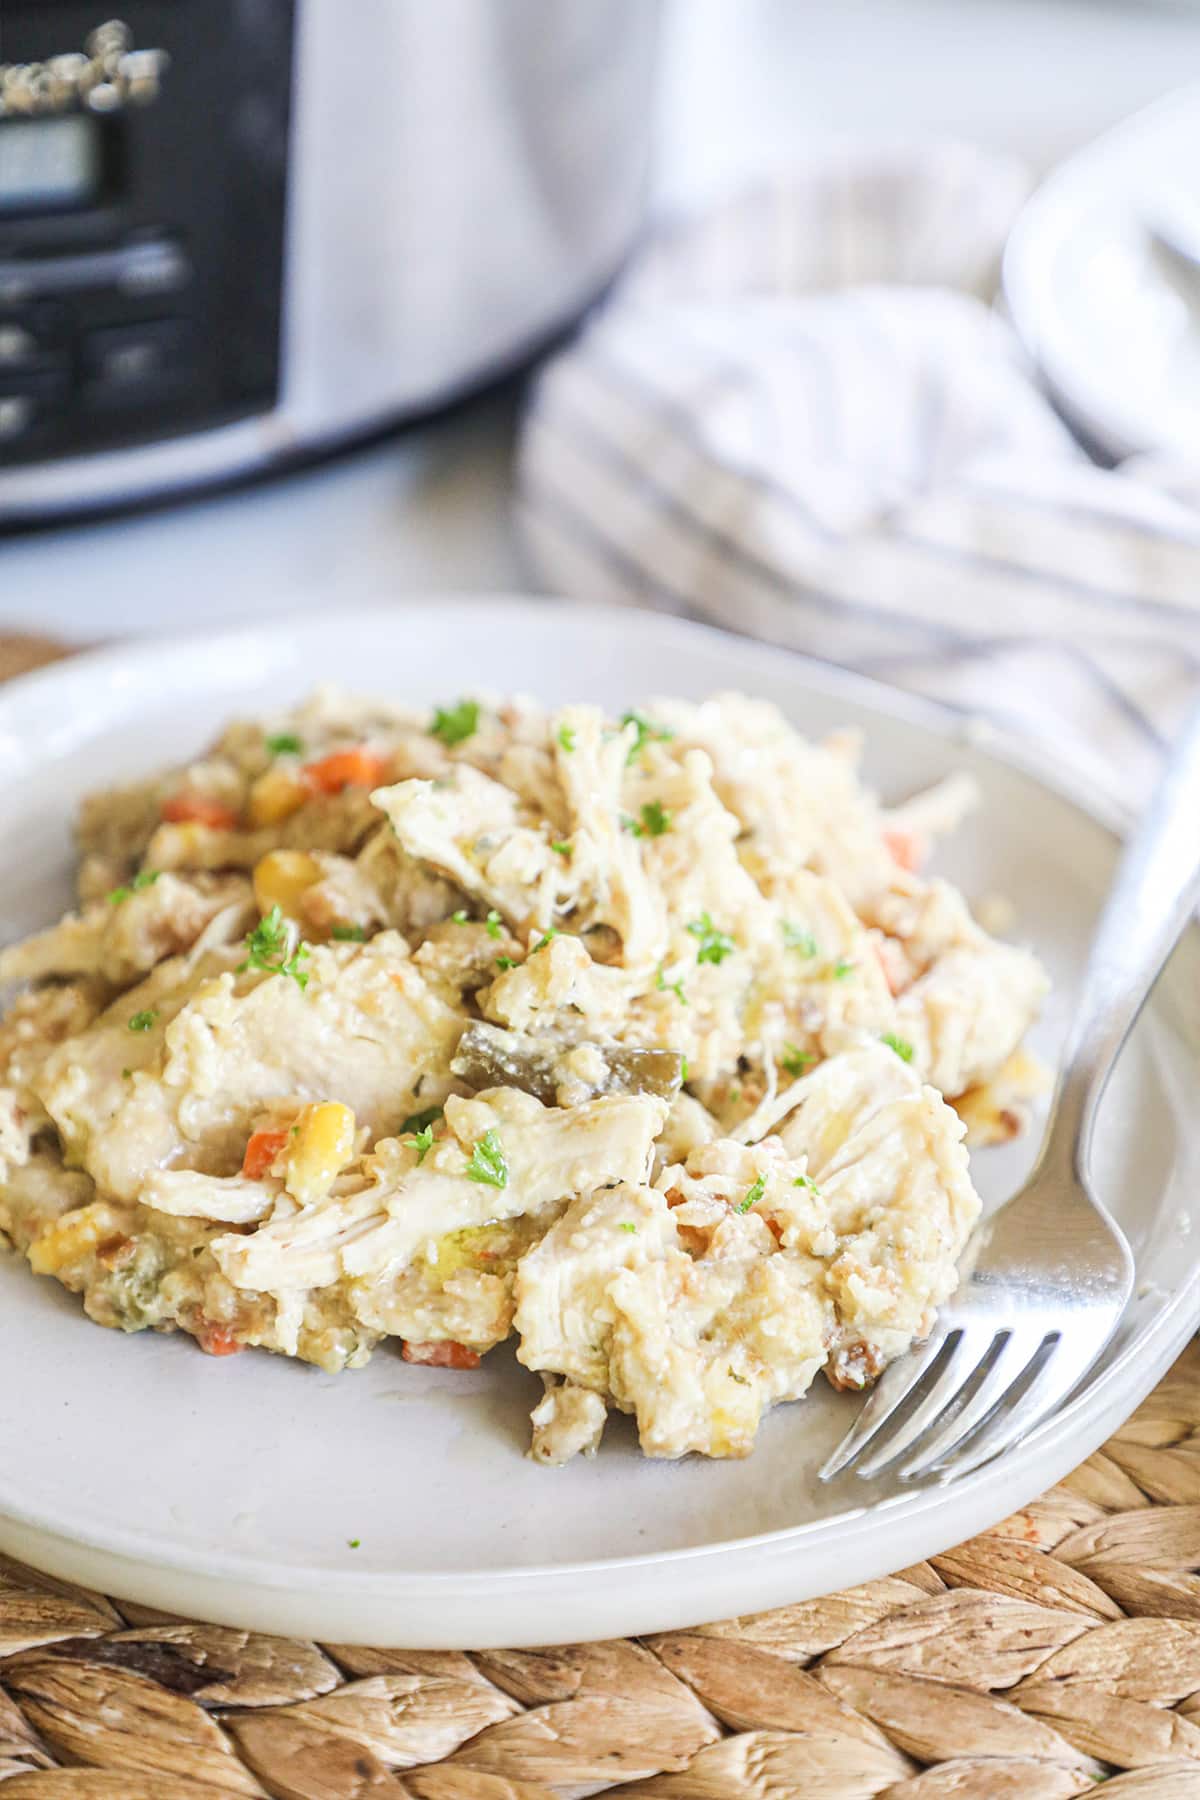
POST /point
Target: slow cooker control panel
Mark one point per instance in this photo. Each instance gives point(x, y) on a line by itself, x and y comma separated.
point(143, 175)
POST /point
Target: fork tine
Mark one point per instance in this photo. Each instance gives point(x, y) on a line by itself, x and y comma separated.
point(890, 1391)
point(1059, 1374)
point(1015, 1356)
point(970, 1343)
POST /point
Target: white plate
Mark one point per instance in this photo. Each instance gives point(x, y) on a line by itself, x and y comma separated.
point(232, 1489)
point(1112, 322)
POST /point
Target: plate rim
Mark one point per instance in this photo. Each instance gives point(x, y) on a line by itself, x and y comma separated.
point(1117, 425)
point(1151, 1348)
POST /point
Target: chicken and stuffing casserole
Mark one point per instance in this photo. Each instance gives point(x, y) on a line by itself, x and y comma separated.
point(642, 1041)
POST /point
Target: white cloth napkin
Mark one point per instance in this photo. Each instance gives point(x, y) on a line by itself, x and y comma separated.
point(799, 417)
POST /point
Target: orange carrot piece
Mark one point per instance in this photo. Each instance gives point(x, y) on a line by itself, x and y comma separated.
point(441, 1353)
point(198, 809)
point(359, 767)
point(264, 1146)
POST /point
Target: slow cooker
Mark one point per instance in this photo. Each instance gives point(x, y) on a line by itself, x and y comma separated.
point(239, 233)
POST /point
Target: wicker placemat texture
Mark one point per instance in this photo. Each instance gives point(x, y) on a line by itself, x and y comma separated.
point(1060, 1649)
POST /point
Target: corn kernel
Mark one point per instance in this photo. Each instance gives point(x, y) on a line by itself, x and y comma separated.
point(76, 1235)
point(322, 1146)
point(275, 796)
point(281, 878)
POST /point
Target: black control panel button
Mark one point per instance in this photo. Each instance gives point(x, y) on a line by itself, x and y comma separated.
point(158, 266)
point(135, 362)
point(18, 347)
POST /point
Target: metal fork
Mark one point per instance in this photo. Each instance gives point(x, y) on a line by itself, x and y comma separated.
point(1048, 1276)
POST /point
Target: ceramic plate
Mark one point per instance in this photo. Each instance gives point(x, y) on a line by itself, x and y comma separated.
point(1112, 321)
point(232, 1489)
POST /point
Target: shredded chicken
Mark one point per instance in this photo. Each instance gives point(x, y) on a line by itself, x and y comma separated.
point(644, 1042)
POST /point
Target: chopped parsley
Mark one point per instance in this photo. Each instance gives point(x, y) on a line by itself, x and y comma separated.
point(741, 1380)
point(461, 917)
point(487, 1162)
point(493, 923)
point(683, 1068)
point(422, 1143)
point(140, 882)
point(753, 1194)
point(655, 820)
point(561, 847)
point(795, 1060)
point(670, 987)
point(795, 939)
point(455, 724)
point(626, 1226)
point(274, 947)
point(126, 1074)
point(842, 968)
point(347, 934)
point(354, 1542)
point(143, 1021)
point(646, 733)
point(546, 938)
point(901, 1046)
point(806, 1181)
point(285, 743)
point(506, 962)
point(715, 945)
point(566, 738)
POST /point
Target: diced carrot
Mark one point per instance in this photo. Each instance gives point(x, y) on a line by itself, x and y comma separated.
point(261, 1151)
point(906, 848)
point(441, 1353)
point(217, 1340)
point(359, 767)
point(198, 809)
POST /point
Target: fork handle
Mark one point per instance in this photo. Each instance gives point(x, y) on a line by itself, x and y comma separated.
point(1156, 891)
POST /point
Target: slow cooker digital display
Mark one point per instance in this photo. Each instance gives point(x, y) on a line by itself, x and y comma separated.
point(52, 162)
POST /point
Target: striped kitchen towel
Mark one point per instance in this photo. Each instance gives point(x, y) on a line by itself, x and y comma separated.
point(801, 417)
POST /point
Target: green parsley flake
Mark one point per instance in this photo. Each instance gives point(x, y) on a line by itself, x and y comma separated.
point(461, 917)
point(285, 743)
point(506, 962)
point(655, 819)
point(795, 1060)
point(561, 847)
point(795, 939)
point(842, 969)
point(683, 1068)
point(348, 934)
point(670, 987)
point(354, 1542)
point(715, 945)
point(487, 1162)
point(753, 1194)
point(455, 724)
point(493, 923)
point(742, 1380)
point(126, 1074)
point(143, 1021)
point(547, 938)
point(806, 1181)
point(274, 947)
point(626, 1226)
point(901, 1046)
point(646, 733)
point(566, 738)
point(140, 882)
point(420, 1121)
point(422, 1143)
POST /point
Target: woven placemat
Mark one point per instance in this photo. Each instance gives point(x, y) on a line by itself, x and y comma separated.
point(1058, 1650)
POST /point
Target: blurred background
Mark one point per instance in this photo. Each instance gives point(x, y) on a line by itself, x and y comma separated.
point(323, 241)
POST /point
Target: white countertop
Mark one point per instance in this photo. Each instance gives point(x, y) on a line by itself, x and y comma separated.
point(749, 84)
